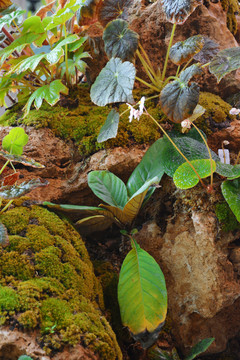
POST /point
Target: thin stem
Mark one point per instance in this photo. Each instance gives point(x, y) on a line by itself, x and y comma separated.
point(147, 84)
point(205, 65)
point(6, 163)
point(146, 68)
point(238, 158)
point(209, 152)
point(9, 36)
point(175, 146)
point(66, 56)
point(178, 69)
point(169, 78)
point(16, 26)
point(168, 51)
point(13, 166)
point(186, 65)
point(148, 61)
point(7, 206)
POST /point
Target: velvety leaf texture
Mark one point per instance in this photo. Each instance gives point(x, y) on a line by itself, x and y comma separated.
point(114, 83)
point(231, 193)
point(110, 128)
point(209, 50)
point(189, 72)
point(113, 9)
point(183, 51)
point(13, 192)
point(228, 170)
point(142, 293)
point(225, 62)
point(177, 11)
point(119, 40)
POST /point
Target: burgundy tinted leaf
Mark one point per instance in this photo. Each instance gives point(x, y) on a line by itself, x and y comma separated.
point(88, 14)
point(13, 192)
point(4, 240)
point(11, 179)
point(42, 12)
point(114, 9)
point(177, 11)
point(183, 51)
point(21, 159)
point(209, 50)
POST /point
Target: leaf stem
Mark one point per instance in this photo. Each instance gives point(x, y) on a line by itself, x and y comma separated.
point(168, 51)
point(205, 65)
point(6, 163)
point(6, 206)
point(66, 55)
point(238, 157)
point(147, 84)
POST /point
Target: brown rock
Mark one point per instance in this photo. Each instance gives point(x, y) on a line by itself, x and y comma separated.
point(15, 343)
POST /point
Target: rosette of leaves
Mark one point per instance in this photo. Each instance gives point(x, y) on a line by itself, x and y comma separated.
point(42, 75)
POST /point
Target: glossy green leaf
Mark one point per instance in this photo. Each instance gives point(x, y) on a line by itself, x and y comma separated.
point(183, 51)
point(225, 62)
point(108, 187)
point(15, 141)
point(114, 83)
point(7, 19)
point(110, 128)
point(30, 63)
point(185, 177)
point(113, 9)
point(119, 40)
point(142, 293)
point(77, 44)
point(13, 192)
point(227, 170)
point(21, 159)
point(148, 168)
point(50, 93)
point(231, 193)
point(64, 14)
point(199, 348)
point(4, 240)
point(209, 50)
point(177, 11)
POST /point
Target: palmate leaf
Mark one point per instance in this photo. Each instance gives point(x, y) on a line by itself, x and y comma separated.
point(142, 294)
point(231, 193)
point(108, 187)
point(114, 83)
point(199, 348)
point(119, 40)
point(50, 93)
point(7, 19)
point(177, 99)
point(225, 62)
point(64, 14)
point(177, 11)
point(15, 141)
point(4, 240)
point(13, 192)
point(113, 9)
point(42, 12)
point(185, 177)
point(110, 128)
point(183, 51)
point(33, 24)
point(21, 159)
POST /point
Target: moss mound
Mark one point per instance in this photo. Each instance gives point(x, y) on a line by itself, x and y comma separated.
point(47, 283)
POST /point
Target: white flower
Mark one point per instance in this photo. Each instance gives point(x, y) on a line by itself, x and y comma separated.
point(186, 124)
point(234, 111)
point(134, 113)
point(141, 105)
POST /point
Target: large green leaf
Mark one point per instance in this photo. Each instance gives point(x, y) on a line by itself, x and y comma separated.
point(12, 192)
point(199, 348)
point(110, 128)
point(15, 141)
point(114, 83)
point(50, 93)
point(4, 240)
point(113, 9)
point(33, 24)
point(185, 177)
point(148, 168)
point(64, 14)
point(231, 193)
point(224, 62)
point(177, 11)
point(21, 159)
point(209, 50)
point(119, 40)
point(108, 187)
point(7, 19)
point(183, 51)
point(142, 293)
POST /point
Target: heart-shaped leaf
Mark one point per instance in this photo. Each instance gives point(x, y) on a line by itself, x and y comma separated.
point(209, 50)
point(142, 293)
point(177, 11)
point(50, 93)
point(199, 348)
point(224, 62)
point(189, 72)
point(183, 51)
point(4, 240)
point(21, 159)
point(110, 128)
point(33, 24)
point(15, 141)
point(119, 40)
point(185, 177)
point(113, 9)
point(114, 83)
point(108, 187)
point(13, 192)
point(231, 193)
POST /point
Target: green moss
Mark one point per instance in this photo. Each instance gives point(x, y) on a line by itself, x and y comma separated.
point(231, 7)
point(226, 217)
point(48, 283)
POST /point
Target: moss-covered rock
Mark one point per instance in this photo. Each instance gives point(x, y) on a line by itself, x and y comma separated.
point(47, 283)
